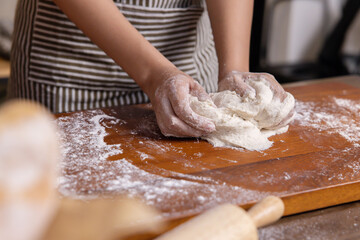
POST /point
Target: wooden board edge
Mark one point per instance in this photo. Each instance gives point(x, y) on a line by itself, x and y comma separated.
point(321, 198)
point(304, 202)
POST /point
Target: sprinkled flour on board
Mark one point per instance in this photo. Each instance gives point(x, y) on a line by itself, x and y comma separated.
point(334, 116)
point(85, 172)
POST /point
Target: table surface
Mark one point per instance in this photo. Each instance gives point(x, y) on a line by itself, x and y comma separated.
point(311, 166)
point(339, 222)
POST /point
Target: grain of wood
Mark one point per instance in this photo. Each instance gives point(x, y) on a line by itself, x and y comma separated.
point(308, 168)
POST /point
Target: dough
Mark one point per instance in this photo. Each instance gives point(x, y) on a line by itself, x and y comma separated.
point(244, 121)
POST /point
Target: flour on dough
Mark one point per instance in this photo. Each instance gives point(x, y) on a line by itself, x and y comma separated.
point(244, 121)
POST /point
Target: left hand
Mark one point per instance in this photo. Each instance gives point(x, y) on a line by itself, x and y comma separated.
point(171, 103)
point(236, 81)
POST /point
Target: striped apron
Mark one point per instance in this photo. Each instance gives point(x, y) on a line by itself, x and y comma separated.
point(54, 63)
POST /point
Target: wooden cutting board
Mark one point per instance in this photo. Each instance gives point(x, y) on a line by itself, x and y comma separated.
point(314, 165)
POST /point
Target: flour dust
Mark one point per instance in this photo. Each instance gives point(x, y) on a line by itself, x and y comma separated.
point(86, 172)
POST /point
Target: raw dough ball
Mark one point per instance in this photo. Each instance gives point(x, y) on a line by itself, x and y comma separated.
point(244, 121)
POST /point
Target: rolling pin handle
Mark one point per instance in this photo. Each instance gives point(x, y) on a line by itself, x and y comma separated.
point(267, 211)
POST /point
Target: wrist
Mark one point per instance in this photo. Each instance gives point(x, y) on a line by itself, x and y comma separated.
point(226, 69)
point(155, 76)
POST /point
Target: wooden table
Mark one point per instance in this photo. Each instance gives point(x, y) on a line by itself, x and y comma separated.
point(340, 222)
point(289, 169)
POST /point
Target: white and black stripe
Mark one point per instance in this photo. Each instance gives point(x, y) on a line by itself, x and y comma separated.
point(56, 64)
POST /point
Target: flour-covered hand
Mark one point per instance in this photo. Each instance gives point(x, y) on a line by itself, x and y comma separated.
point(239, 82)
point(171, 103)
point(236, 81)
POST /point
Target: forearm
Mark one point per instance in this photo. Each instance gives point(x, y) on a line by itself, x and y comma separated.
point(106, 26)
point(231, 26)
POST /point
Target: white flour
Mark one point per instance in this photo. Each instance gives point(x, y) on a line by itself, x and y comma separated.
point(87, 173)
point(332, 116)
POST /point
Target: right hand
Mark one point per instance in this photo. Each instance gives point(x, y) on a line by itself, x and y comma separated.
point(171, 103)
point(237, 81)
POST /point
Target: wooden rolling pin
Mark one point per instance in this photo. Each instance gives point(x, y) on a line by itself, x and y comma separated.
point(228, 222)
point(103, 219)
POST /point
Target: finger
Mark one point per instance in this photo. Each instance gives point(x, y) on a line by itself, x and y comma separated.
point(275, 86)
point(198, 91)
point(185, 113)
point(228, 82)
point(236, 82)
point(181, 105)
point(170, 125)
point(180, 101)
point(244, 90)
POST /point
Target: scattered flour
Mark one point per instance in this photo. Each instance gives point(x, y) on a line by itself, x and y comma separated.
point(332, 116)
point(86, 172)
point(144, 156)
point(248, 121)
point(350, 105)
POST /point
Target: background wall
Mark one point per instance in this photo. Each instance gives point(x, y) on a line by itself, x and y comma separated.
point(297, 29)
point(7, 9)
point(7, 12)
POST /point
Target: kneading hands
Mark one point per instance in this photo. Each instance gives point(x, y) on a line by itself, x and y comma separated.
point(171, 103)
point(237, 82)
point(168, 88)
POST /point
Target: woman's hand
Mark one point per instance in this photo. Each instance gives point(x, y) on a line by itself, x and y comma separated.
point(106, 26)
point(171, 103)
point(238, 82)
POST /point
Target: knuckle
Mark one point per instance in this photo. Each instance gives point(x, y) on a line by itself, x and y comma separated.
point(172, 122)
point(268, 75)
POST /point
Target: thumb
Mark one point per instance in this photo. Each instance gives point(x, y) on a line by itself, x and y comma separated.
point(198, 91)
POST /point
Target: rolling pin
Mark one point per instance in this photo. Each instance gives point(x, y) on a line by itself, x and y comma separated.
point(227, 222)
point(103, 219)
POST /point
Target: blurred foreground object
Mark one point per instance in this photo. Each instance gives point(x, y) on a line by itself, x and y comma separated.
point(103, 219)
point(30, 208)
point(227, 222)
point(29, 153)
